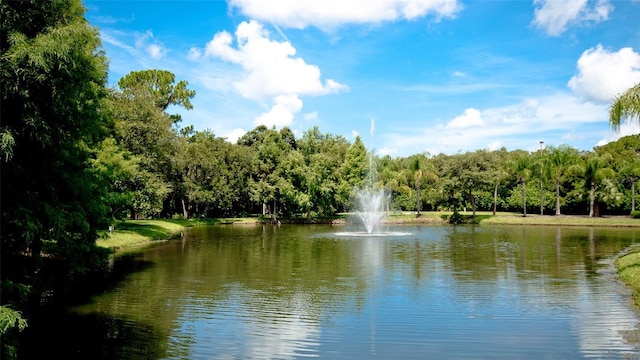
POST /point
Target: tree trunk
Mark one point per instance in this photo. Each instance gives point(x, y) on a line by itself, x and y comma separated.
point(453, 200)
point(418, 202)
point(558, 212)
point(264, 208)
point(541, 200)
point(185, 212)
point(495, 198)
point(633, 194)
point(473, 203)
point(274, 216)
point(592, 197)
point(389, 202)
point(524, 198)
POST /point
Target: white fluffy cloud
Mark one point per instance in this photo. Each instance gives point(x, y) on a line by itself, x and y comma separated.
point(329, 14)
point(233, 135)
point(270, 69)
point(495, 145)
point(282, 112)
point(311, 117)
point(626, 129)
point(470, 118)
point(518, 126)
point(149, 45)
point(554, 16)
point(271, 66)
point(601, 74)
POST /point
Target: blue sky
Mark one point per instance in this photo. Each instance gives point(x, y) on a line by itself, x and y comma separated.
point(409, 76)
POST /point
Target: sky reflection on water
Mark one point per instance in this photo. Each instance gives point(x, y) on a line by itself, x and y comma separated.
point(439, 292)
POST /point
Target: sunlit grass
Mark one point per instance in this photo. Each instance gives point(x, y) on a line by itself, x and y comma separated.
point(566, 220)
point(509, 218)
point(130, 233)
point(628, 266)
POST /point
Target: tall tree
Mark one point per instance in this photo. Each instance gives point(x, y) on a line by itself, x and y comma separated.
point(388, 174)
point(520, 166)
point(597, 168)
point(159, 87)
point(625, 106)
point(475, 175)
point(631, 169)
point(52, 77)
point(215, 175)
point(560, 161)
point(270, 149)
point(357, 164)
point(145, 128)
point(131, 189)
point(322, 156)
point(497, 173)
point(421, 171)
point(539, 169)
point(416, 169)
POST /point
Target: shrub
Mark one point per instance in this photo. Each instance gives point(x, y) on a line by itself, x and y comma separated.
point(635, 214)
point(456, 217)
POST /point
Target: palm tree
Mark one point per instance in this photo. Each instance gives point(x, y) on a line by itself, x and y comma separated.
point(631, 168)
point(417, 177)
point(498, 173)
point(422, 171)
point(540, 167)
point(596, 169)
point(521, 166)
point(559, 162)
point(625, 106)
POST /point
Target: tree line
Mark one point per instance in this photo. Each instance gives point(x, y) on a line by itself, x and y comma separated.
point(153, 167)
point(76, 155)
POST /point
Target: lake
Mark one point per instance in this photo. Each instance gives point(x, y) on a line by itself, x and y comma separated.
point(293, 291)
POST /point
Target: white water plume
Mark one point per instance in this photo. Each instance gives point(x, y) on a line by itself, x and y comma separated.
point(370, 208)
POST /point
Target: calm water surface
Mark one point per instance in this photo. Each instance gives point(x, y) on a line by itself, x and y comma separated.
point(288, 292)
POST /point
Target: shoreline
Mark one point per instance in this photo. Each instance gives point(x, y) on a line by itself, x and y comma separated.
point(132, 235)
point(627, 265)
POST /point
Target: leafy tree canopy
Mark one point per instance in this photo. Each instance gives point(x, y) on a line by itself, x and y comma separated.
point(52, 80)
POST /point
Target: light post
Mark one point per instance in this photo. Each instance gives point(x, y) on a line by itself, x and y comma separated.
point(541, 172)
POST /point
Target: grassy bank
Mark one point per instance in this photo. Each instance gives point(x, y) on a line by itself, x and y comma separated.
point(564, 220)
point(132, 233)
point(505, 218)
point(628, 265)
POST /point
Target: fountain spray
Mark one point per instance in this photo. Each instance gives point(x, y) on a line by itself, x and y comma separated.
point(370, 199)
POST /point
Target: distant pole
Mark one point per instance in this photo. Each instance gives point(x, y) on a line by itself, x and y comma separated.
point(541, 194)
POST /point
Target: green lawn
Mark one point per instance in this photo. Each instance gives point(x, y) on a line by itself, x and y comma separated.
point(507, 218)
point(628, 266)
point(567, 220)
point(130, 233)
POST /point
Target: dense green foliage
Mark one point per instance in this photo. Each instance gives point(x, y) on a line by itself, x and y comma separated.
point(271, 172)
point(76, 156)
point(53, 77)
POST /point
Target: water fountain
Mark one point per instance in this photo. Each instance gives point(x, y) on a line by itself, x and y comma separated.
point(370, 208)
point(370, 204)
